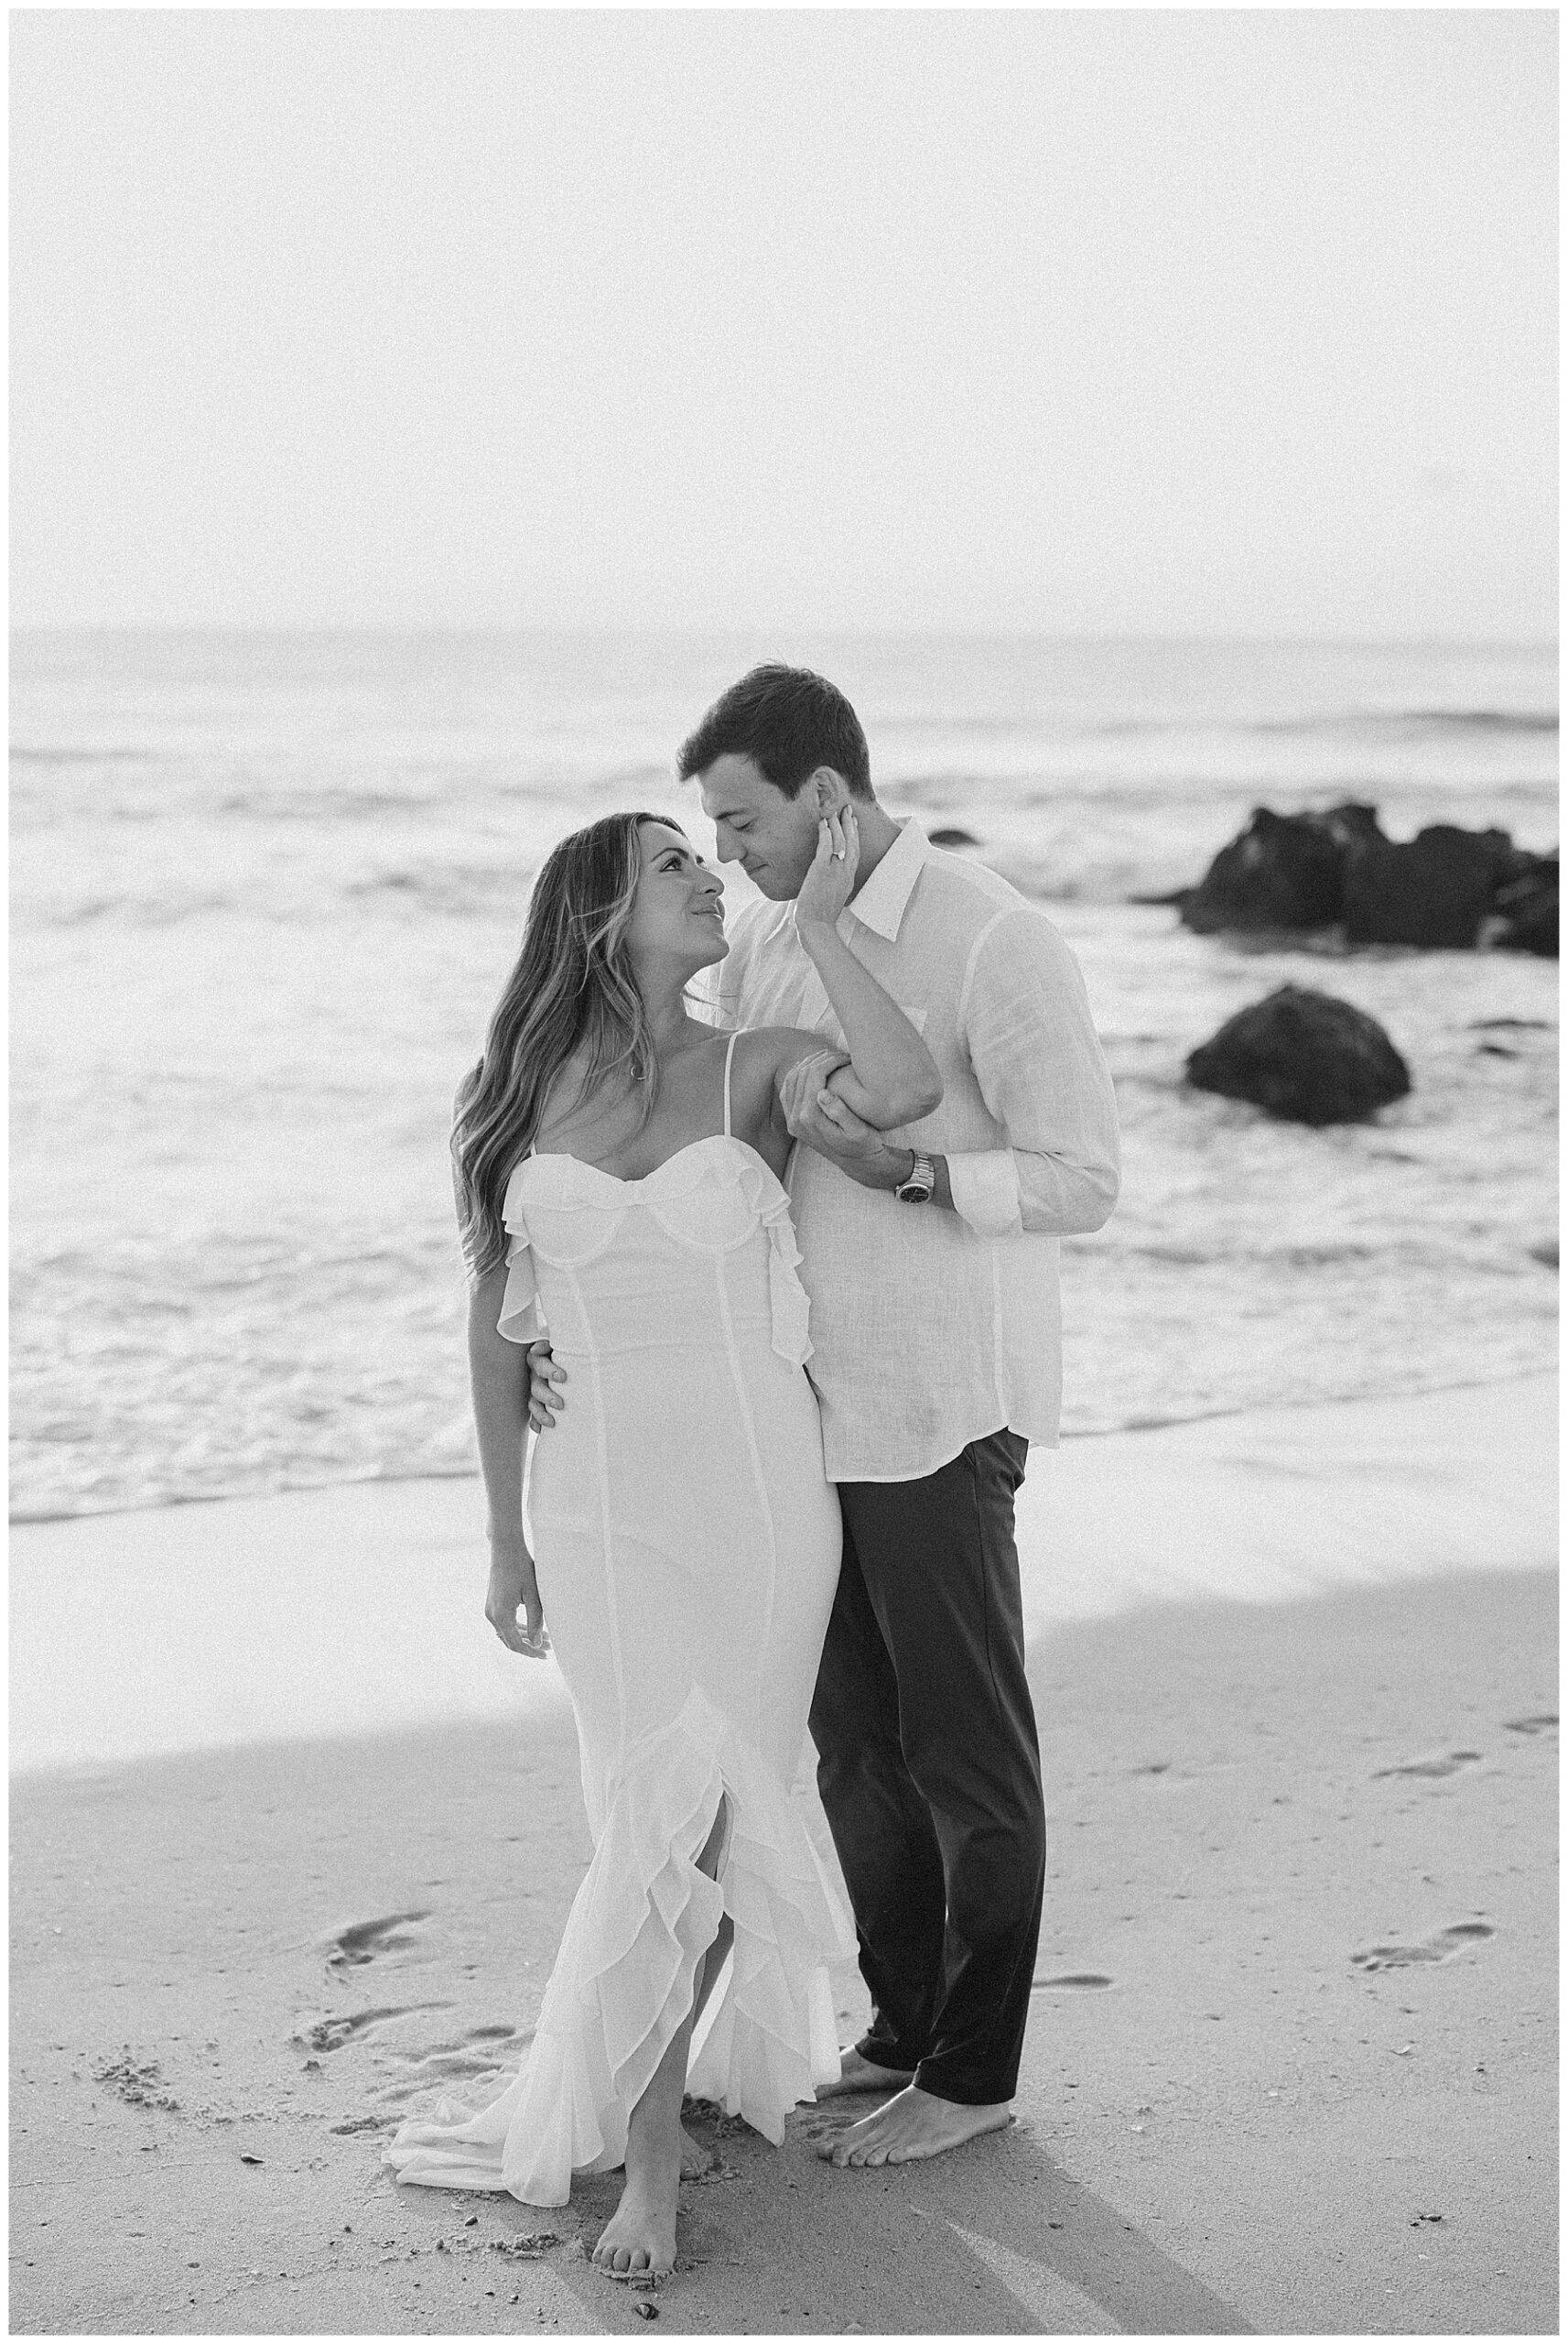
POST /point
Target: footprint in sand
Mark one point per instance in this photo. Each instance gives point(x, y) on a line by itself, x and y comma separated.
point(364, 1941)
point(331, 2033)
point(1073, 1977)
point(1546, 1723)
point(441, 2063)
point(1434, 1769)
point(1440, 1948)
point(458, 2061)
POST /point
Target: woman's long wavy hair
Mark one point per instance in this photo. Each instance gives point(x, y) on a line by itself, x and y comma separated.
point(572, 989)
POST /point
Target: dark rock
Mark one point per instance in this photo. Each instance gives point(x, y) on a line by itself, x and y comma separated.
point(1303, 1056)
point(1523, 916)
point(1446, 889)
point(1435, 891)
point(952, 836)
point(1285, 871)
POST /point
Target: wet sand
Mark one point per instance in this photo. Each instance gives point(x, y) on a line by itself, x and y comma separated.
point(1291, 2066)
point(357, 1608)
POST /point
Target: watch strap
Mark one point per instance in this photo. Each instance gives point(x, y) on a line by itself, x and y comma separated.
point(921, 1183)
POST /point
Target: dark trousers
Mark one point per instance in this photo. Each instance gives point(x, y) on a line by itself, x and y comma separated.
point(929, 1768)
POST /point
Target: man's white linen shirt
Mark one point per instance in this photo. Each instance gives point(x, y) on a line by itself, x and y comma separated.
point(932, 1329)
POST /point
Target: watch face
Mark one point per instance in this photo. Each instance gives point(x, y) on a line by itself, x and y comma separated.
point(921, 1183)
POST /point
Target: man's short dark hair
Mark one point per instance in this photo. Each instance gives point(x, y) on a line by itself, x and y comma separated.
point(788, 722)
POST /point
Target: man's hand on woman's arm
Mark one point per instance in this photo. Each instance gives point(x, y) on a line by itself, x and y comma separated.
point(820, 1118)
point(1043, 1077)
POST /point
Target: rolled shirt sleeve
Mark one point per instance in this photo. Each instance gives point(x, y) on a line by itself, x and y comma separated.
point(1041, 1073)
point(986, 1191)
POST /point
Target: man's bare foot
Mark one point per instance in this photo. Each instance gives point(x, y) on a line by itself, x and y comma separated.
point(640, 2236)
point(859, 2074)
point(695, 2160)
point(916, 2124)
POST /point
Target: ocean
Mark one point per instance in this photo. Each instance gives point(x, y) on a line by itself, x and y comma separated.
point(265, 889)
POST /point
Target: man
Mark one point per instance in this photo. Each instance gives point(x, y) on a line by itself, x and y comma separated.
point(931, 1258)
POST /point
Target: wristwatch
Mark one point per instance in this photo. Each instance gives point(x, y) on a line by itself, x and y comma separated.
point(921, 1181)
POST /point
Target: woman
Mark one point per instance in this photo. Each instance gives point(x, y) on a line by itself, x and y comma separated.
point(619, 1169)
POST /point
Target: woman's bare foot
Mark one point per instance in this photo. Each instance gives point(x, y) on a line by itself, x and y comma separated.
point(640, 2236)
point(639, 2240)
point(695, 2160)
point(859, 2074)
point(916, 2124)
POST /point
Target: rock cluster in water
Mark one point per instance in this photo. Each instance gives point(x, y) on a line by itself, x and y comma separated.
point(1446, 888)
point(1304, 1056)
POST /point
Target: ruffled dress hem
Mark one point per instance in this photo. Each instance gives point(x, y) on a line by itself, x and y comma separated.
point(623, 1981)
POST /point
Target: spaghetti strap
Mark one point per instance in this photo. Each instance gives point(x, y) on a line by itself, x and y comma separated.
point(729, 1059)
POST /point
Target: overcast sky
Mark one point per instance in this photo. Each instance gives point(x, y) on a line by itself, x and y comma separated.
point(1090, 322)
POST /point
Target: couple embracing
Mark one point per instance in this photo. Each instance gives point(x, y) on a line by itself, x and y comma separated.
point(750, 1512)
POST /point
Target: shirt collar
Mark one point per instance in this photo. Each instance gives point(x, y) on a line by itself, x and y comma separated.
point(883, 900)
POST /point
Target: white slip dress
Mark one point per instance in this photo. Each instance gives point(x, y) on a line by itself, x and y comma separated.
point(686, 1542)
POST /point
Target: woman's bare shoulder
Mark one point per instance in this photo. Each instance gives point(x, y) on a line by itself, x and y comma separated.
point(766, 1054)
point(781, 1044)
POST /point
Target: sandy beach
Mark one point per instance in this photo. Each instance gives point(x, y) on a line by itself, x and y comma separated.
point(1292, 2067)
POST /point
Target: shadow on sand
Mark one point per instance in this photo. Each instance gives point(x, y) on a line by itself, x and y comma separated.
point(994, 2240)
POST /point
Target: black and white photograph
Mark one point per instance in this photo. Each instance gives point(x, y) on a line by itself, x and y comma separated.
point(785, 1049)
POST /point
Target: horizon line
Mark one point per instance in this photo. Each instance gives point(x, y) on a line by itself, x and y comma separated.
point(695, 632)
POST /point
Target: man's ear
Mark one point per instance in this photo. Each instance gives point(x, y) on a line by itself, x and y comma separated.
point(829, 789)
